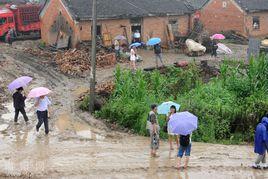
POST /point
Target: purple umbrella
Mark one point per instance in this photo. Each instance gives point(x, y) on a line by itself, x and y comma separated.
point(37, 92)
point(19, 82)
point(183, 123)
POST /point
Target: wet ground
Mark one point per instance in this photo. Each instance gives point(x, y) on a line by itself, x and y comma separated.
point(80, 146)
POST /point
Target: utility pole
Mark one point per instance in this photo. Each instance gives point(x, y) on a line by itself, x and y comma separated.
point(93, 57)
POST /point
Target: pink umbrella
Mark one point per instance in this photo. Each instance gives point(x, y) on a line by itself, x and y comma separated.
point(37, 92)
point(218, 36)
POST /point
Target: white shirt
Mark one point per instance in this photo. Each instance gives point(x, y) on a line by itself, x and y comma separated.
point(116, 45)
point(137, 35)
point(43, 104)
point(132, 55)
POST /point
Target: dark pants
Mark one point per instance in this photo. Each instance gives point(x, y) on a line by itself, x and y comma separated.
point(214, 52)
point(22, 111)
point(42, 118)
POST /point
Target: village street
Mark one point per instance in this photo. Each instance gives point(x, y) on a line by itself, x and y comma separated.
point(82, 147)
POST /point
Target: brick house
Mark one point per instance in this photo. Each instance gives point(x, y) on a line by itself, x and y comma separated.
point(115, 17)
point(248, 17)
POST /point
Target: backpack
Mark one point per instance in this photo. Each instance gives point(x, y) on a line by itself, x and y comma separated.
point(184, 140)
point(157, 49)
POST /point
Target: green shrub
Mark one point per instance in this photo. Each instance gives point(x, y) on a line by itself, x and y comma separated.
point(228, 107)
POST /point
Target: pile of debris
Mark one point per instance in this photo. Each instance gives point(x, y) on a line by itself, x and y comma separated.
point(77, 61)
point(73, 62)
point(105, 89)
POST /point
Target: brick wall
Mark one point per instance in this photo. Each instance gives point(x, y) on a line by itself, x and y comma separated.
point(223, 15)
point(263, 30)
point(150, 25)
point(156, 26)
point(47, 19)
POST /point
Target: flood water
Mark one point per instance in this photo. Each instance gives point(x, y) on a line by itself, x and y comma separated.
point(78, 149)
point(73, 149)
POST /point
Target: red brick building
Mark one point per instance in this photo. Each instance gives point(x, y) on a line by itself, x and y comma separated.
point(248, 17)
point(115, 17)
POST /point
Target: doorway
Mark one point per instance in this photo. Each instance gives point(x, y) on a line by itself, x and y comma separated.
point(136, 29)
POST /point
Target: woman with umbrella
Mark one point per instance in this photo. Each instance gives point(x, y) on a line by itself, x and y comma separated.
point(18, 97)
point(173, 110)
point(19, 105)
point(42, 106)
point(183, 123)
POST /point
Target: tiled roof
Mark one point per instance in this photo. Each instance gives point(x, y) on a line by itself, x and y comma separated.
point(253, 5)
point(196, 4)
point(81, 9)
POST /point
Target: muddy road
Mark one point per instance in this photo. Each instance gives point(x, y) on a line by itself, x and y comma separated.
point(80, 146)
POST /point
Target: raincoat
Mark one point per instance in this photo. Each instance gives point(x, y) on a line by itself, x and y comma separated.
point(261, 137)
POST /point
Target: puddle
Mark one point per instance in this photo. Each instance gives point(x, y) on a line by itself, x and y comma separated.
point(81, 128)
point(87, 134)
point(9, 116)
point(3, 127)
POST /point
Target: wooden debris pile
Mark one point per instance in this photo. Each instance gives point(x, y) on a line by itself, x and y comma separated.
point(102, 90)
point(77, 61)
point(73, 62)
point(107, 87)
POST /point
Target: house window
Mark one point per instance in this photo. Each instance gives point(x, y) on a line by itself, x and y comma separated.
point(10, 19)
point(81, 28)
point(224, 4)
point(256, 23)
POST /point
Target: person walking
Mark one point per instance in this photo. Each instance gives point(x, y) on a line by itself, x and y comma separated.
point(42, 104)
point(8, 37)
point(154, 130)
point(261, 143)
point(214, 48)
point(117, 49)
point(173, 110)
point(19, 105)
point(133, 57)
point(158, 54)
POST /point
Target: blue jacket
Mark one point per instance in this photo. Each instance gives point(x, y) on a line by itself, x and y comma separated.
point(261, 137)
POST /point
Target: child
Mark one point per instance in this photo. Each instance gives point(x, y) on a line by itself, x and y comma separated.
point(185, 148)
point(261, 143)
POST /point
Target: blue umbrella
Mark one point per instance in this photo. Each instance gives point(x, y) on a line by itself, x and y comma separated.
point(153, 41)
point(136, 44)
point(183, 123)
point(164, 108)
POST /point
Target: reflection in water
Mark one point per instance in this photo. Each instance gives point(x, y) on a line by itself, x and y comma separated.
point(183, 173)
point(153, 168)
point(82, 129)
